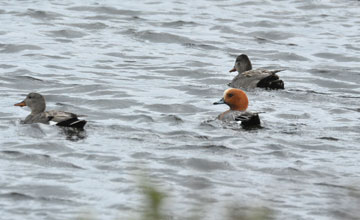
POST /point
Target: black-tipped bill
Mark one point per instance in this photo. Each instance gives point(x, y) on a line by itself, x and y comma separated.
point(221, 101)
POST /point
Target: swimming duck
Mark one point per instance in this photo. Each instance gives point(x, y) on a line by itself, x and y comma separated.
point(36, 103)
point(248, 78)
point(238, 102)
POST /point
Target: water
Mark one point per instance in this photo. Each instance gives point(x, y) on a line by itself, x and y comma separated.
point(146, 74)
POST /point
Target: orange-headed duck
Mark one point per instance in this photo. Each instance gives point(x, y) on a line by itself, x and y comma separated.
point(248, 78)
point(36, 103)
point(238, 102)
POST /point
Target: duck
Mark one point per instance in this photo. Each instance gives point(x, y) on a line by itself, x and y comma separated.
point(248, 78)
point(238, 102)
point(36, 102)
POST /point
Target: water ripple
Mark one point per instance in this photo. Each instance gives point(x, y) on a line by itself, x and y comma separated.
point(144, 74)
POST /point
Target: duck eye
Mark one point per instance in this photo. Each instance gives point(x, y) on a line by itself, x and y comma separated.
point(230, 95)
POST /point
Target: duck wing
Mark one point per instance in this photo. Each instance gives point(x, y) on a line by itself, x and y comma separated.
point(65, 119)
point(244, 82)
point(260, 73)
point(252, 78)
point(249, 79)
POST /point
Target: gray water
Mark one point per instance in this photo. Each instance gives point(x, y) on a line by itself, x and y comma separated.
point(145, 73)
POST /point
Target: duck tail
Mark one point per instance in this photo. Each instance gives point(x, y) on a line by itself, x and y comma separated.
point(276, 71)
point(73, 123)
point(277, 84)
point(271, 82)
point(249, 121)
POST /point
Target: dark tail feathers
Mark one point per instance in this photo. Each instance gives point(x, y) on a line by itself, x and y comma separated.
point(249, 121)
point(271, 82)
point(73, 123)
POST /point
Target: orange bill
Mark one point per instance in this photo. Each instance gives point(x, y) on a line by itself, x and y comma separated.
point(232, 70)
point(21, 104)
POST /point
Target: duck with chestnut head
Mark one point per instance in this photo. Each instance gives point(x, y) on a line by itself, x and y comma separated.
point(248, 78)
point(238, 102)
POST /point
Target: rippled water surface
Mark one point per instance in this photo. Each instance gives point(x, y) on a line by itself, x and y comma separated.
point(145, 73)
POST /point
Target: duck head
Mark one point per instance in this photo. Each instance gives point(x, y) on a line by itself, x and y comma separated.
point(236, 99)
point(35, 102)
point(242, 64)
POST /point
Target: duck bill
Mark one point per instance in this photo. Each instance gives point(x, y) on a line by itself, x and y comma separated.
point(221, 101)
point(21, 104)
point(232, 70)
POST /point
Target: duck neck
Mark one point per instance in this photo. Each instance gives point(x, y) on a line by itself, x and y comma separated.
point(243, 67)
point(238, 108)
point(241, 105)
point(38, 109)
